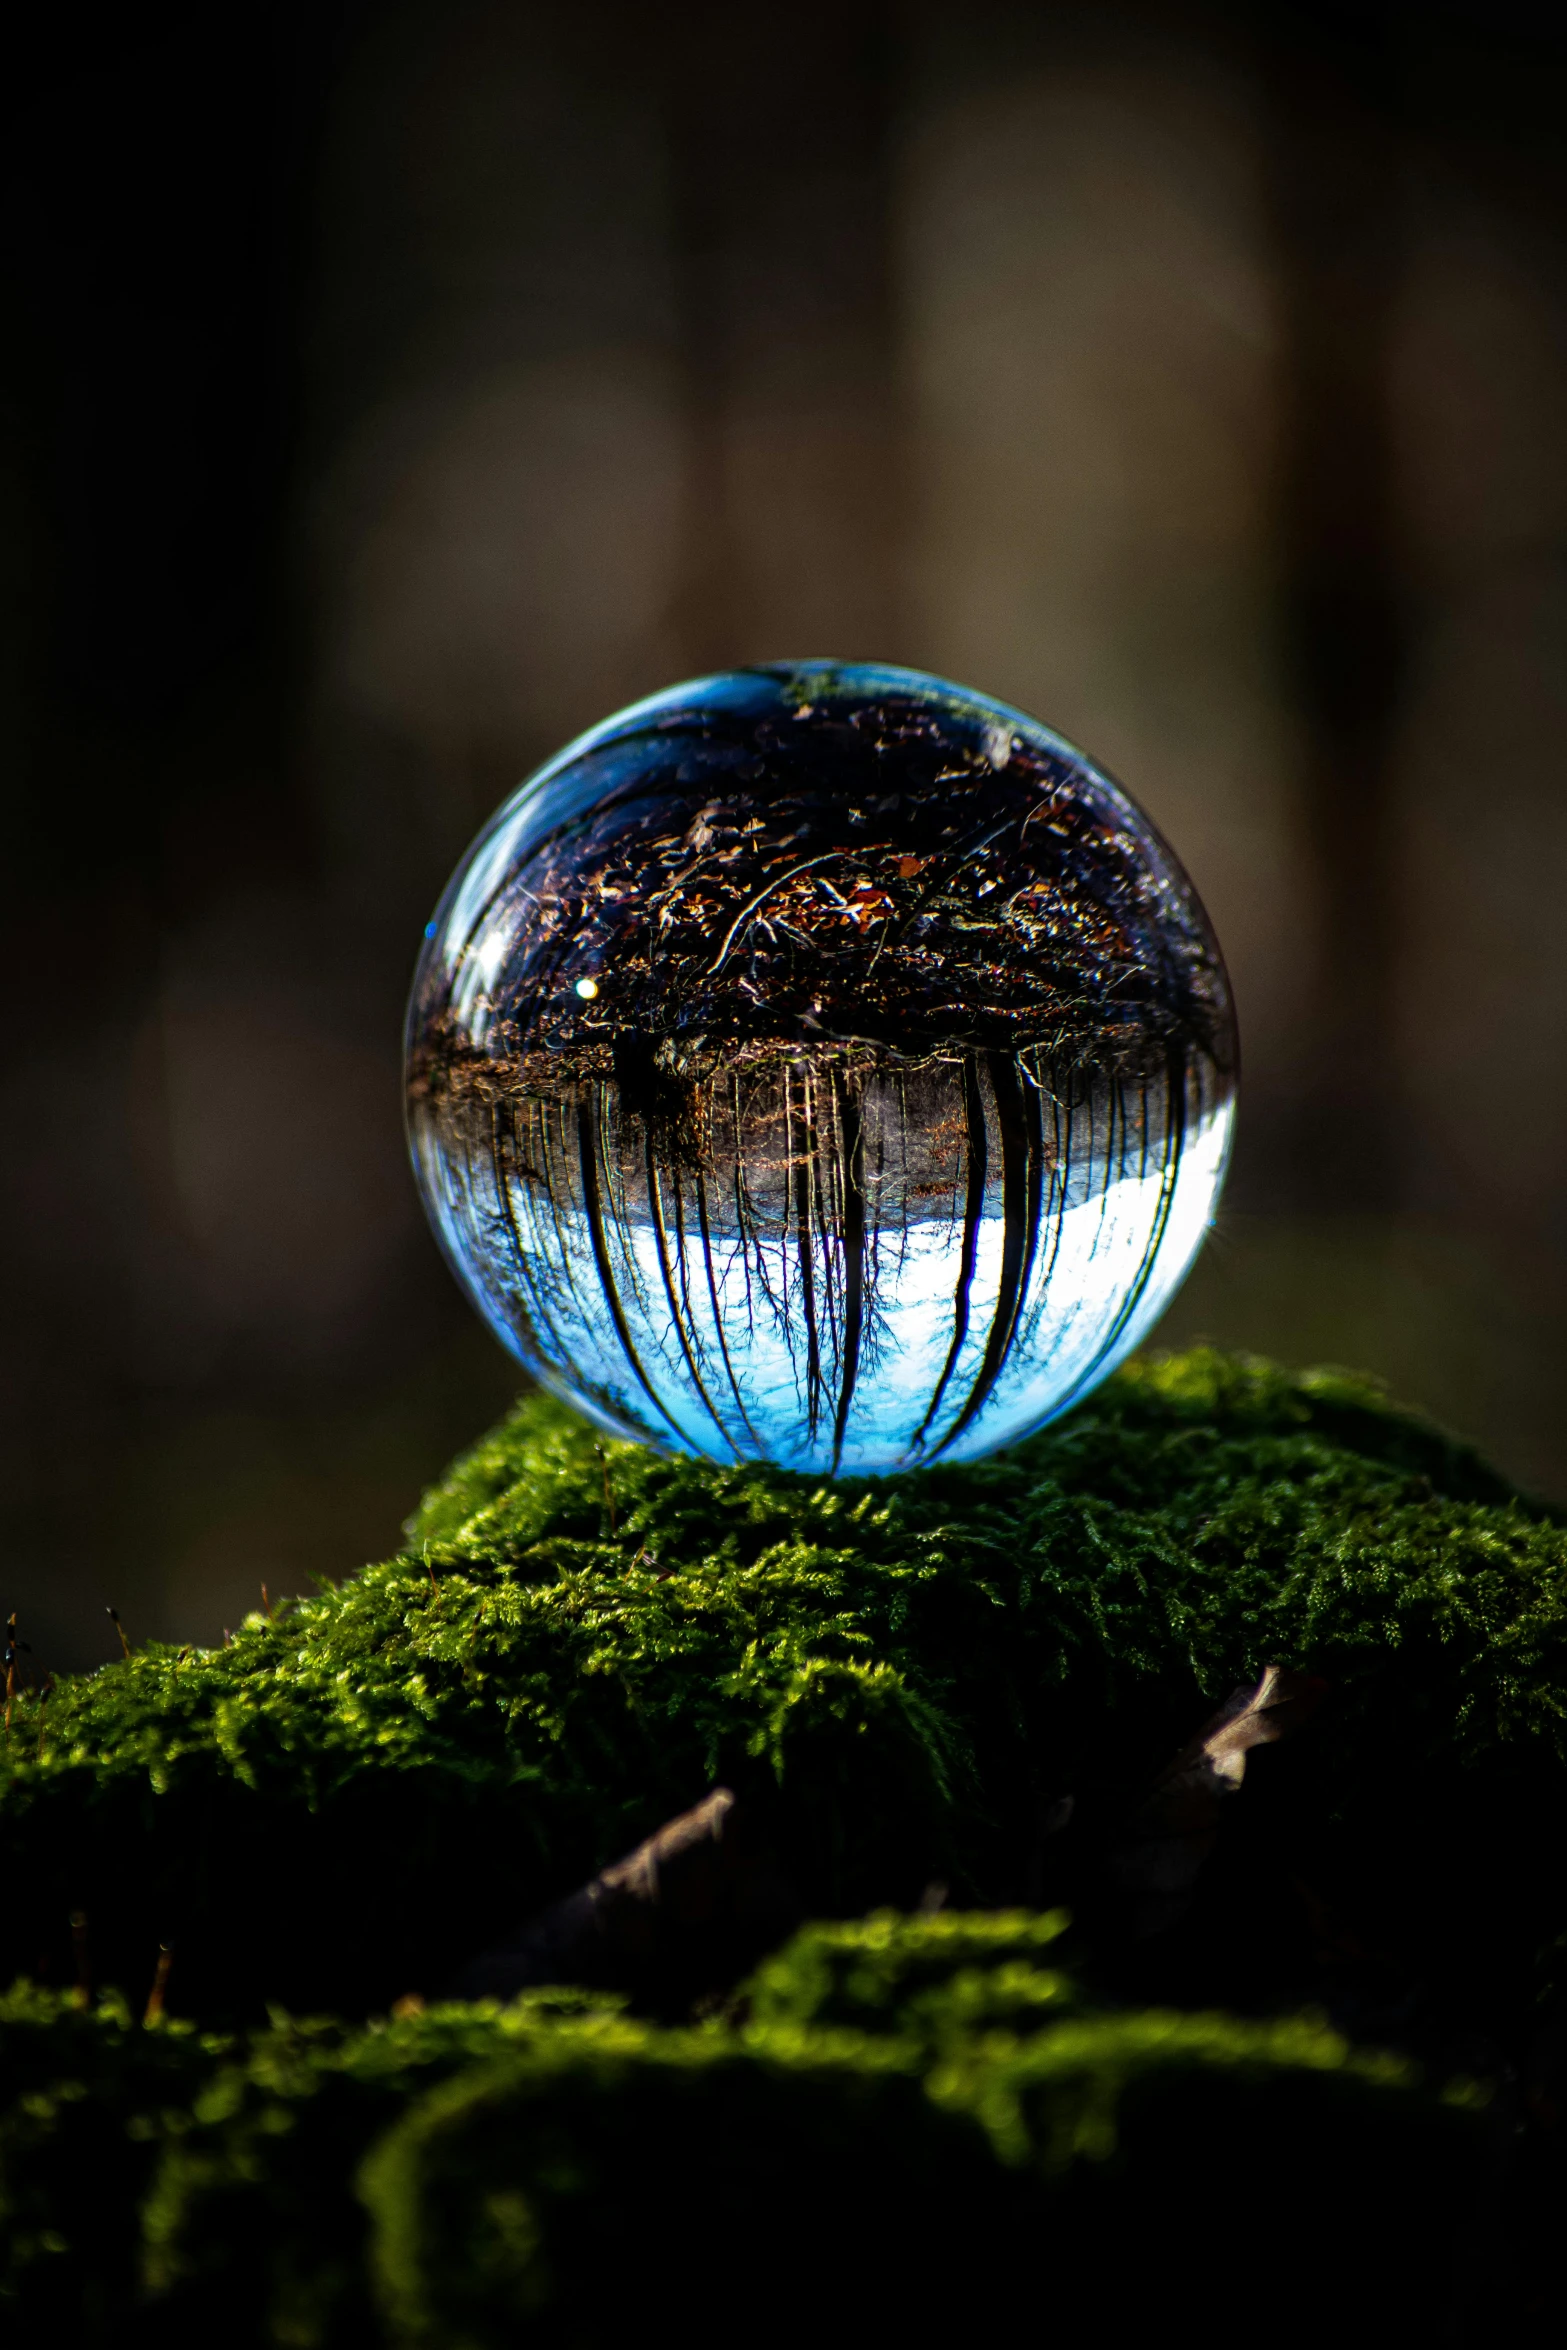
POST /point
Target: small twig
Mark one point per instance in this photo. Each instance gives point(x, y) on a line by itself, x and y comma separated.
point(113, 1614)
point(778, 881)
point(15, 1650)
point(160, 1984)
point(266, 1603)
point(609, 1498)
point(687, 1911)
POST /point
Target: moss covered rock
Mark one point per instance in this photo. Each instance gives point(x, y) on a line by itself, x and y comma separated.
point(902, 1678)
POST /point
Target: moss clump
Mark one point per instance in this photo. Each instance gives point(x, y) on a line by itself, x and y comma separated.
point(361, 1791)
point(903, 2123)
point(83, 2099)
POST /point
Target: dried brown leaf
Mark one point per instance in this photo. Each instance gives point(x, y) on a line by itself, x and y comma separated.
point(1177, 1826)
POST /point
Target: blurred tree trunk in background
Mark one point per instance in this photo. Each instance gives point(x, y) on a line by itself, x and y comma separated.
point(1336, 190)
point(779, 121)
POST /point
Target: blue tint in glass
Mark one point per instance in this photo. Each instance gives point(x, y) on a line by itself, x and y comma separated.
point(822, 1064)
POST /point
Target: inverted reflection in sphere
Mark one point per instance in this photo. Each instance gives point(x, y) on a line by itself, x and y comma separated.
point(822, 1064)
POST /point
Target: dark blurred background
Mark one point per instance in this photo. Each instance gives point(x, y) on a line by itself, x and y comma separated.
point(393, 390)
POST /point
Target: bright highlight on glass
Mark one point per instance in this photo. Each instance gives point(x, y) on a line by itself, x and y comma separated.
point(821, 1064)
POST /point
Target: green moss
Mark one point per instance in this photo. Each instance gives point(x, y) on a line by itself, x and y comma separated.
point(257, 2178)
point(85, 2097)
point(936, 1979)
point(904, 2123)
point(821, 2183)
point(360, 1792)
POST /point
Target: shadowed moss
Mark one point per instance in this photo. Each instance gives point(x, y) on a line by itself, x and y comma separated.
point(579, 1639)
point(85, 2099)
point(902, 2122)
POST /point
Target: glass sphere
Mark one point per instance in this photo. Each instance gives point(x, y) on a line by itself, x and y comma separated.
point(821, 1064)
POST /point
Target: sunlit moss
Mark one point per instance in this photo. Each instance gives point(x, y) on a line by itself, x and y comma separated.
point(579, 1638)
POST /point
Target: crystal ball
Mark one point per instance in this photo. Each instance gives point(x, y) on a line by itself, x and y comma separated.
point(822, 1064)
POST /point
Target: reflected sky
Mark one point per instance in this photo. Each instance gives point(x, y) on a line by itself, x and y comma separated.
point(702, 1322)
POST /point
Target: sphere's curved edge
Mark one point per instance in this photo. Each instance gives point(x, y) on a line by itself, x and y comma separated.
point(599, 1416)
point(1162, 1290)
point(727, 688)
point(564, 1174)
